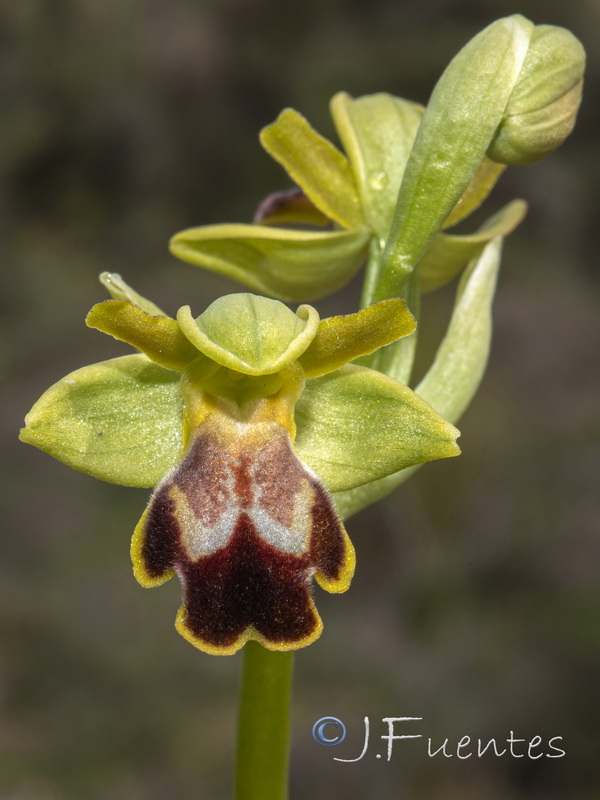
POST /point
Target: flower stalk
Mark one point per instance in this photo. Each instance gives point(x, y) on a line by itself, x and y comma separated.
point(263, 743)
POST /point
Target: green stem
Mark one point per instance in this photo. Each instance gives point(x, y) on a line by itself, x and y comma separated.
point(371, 273)
point(396, 360)
point(264, 724)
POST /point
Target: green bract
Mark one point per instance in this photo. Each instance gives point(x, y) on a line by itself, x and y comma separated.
point(452, 380)
point(471, 113)
point(123, 420)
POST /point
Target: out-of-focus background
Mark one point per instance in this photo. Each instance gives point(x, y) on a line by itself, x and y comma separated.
point(476, 600)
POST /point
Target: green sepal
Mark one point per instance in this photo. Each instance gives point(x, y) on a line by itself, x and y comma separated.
point(289, 265)
point(316, 166)
point(461, 119)
point(456, 372)
point(377, 132)
point(344, 338)
point(250, 334)
point(119, 420)
point(355, 425)
point(119, 290)
point(159, 337)
point(448, 254)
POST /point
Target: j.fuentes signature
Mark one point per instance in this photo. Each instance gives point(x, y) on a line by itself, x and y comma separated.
point(331, 731)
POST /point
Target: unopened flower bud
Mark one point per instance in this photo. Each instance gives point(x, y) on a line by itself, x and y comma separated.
point(543, 105)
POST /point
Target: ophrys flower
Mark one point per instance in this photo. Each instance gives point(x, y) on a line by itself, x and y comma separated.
point(245, 419)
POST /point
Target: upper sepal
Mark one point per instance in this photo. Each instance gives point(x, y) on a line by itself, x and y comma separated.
point(314, 164)
point(292, 265)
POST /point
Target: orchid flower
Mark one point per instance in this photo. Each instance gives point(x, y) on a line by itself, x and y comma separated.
point(348, 203)
point(244, 418)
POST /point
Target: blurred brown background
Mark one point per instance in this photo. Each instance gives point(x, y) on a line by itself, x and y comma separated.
point(476, 599)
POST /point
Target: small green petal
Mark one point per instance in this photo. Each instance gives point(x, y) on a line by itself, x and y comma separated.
point(448, 254)
point(119, 290)
point(287, 264)
point(119, 420)
point(377, 132)
point(356, 425)
point(159, 337)
point(316, 166)
point(481, 185)
point(250, 334)
point(342, 339)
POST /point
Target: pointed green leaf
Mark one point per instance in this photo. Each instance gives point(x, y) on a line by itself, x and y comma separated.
point(464, 112)
point(250, 334)
point(377, 132)
point(454, 377)
point(355, 425)
point(448, 254)
point(119, 420)
point(316, 166)
point(286, 264)
point(342, 339)
point(119, 290)
point(159, 337)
